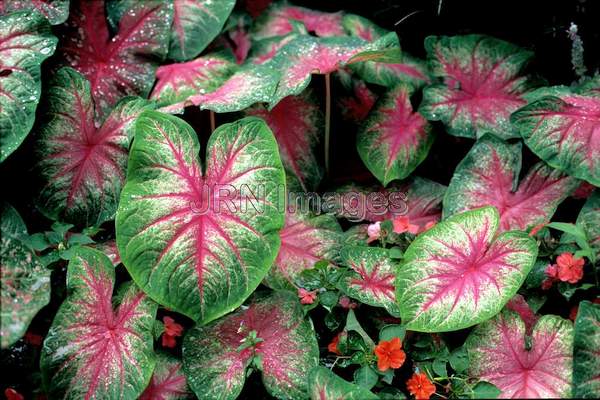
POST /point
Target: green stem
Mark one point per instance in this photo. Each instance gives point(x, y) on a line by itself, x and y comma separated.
point(327, 120)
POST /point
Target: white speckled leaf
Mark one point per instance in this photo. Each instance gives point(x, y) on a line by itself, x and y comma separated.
point(56, 11)
point(325, 385)
point(586, 352)
point(279, 21)
point(168, 380)
point(589, 220)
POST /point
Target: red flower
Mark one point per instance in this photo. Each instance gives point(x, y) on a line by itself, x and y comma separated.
point(346, 303)
point(402, 224)
point(12, 394)
point(389, 354)
point(307, 297)
point(333, 346)
point(172, 330)
point(552, 274)
point(570, 269)
point(420, 386)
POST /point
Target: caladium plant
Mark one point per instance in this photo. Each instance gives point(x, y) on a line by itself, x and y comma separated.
point(562, 129)
point(460, 272)
point(92, 349)
point(489, 175)
point(278, 22)
point(539, 366)
point(56, 11)
point(394, 140)
point(271, 335)
point(83, 164)
point(120, 64)
point(212, 232)
point(195, 24)
point(25, 42)
point(589, 220)
point(482, 84)
point(325, 385)
point(168, 381)
point(24, 280)
point(586, 352)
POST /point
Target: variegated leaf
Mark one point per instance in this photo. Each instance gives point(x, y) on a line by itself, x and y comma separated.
point(168, 380)
point(589, 220)
point(460, 272)
point(56, 11)
point(278, 21)
point(361, 27)
point(586, 352)
point(325, 385)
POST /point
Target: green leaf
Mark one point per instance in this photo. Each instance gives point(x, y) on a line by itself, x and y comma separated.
point(485, 390)
point(586, 363)
point(589, 221)
point(459, 360)
point(568, 290)
point(366, 377)
point(439, 367)
point(329, 299)
point(56, 11)
point(388, 332)
point(352, 324)
point(325, 385)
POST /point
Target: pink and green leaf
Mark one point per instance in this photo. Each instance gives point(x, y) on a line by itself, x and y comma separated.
point(489, 174)
point(25, 42)
point(176, 83)
point(460, 272)
point(200, 242)
point(217, 356)
point(195, 24)
point(123, 64)
point(326, 385)
point(361, 27)
point(394, 140)
point(482, 84)
point(586, 352)
point(265, 49)
point(56, 11)
point(539, 366)
point(370, 277)
point(168, 380)
point(589, 220)
point(278, 21)
point(94, 350)
point(305, 240)
point(296, 122)
point(82, 164)
point(24, 281)
point(563, 129)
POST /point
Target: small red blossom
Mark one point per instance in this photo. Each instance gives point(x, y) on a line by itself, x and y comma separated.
point(389, 354)
point(307, 297)
point(570, 269)
point(346, 303)
point(420, 386)
point(333, 346)
point(12, 394)
point(402, 224)
point(172, 330)
point(33, 339)
point(552, 276)
point(374, 232)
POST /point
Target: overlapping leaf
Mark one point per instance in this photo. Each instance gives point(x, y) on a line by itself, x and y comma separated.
point(168, 380)
point(24, 280)
point(195, 24)
point(536, 367)
point(481, 88)
point(459, 273)
point(394, 140)
point(93, 350)
point(361, 27)
point(296, 123)
point(25, 42)
point(216, 356)
point(176, 83)
point(200, 243)
point(563, 129)
point(56, 11)
point(488, 175)
point(83, 164)
point(371, 276)
point(123, 64)
point(589, 220)
point(586, 352)
point(278, 21)
point(325, 385)
point(304, 241)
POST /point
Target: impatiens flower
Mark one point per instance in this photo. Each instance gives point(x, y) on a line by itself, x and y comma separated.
point(374, 232)
point(307, 297)
point(389, 354)
point(333, 346)
point(172, 330)
point(570, 269)
point(402, 224)
point(12, 394)
point(346, 303)
point(552, 276)
point(420, 386)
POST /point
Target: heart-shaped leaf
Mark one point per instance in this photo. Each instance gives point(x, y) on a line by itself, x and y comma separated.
point(271, 334)
point(589, 220)
point(306, 55)
point(590, 87)
point(481, 88)
point(296, 123)
point(279, 21)
point(537, 367)
point(56, 11)
point(563, 129)
point(586, 352)
point(304, 241)
point(361, 27)
point(371, 276)
point(168, 380)
point(25, 42)
point(123, 64)
point(394, 140)
point(325, 385)
point(92, 349)
point(489, 174)
point(176, 83)
point(200, 243)
point(459, 273)
point(24, 280)
point(83, 164)
point(195, 24)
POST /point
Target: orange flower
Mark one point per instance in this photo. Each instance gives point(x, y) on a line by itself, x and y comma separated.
point(332, 347)
point(570, 269)
point(172, 330)
point(307, 297)
point(420, 386)
point(389, 354)
point(402, 224)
